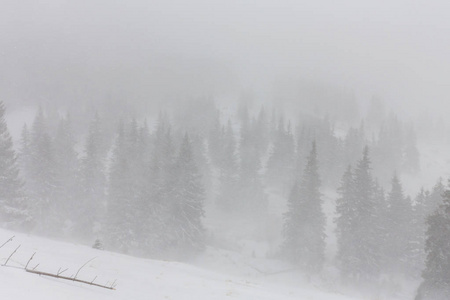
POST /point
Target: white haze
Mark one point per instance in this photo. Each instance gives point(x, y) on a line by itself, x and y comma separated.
point(307, 71)
point(139, 50)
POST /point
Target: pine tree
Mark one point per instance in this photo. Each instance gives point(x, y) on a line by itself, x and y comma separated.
point(368, 208)
point(411, 155)
point(24, 151)
point(13, 206)
point(92, 179)
point(67, 175)
point(185, 234)
point(121, 209)
point(359, 220)
point(400, 221)
point(135, 149)
point(381, 230)
point(436, 283)
point(261, 132)
point(164, 149)
point(154, 203)
point(304, 222)
point(280, 165)
point(388, 154)
point(435, 199)
point(253, 201)
point(41, 178)
point(418, 227)
point(353, 144)
point(227, 199)
point(203, 163)
point(346, 223)
point(215, 140)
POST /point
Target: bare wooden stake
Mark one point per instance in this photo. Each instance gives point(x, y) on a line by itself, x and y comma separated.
point(31, 258)
point(10, 240)
point(59, 273)
point(11, 255)
point(75, 277)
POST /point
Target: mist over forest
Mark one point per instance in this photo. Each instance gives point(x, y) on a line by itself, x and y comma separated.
point(309, 137)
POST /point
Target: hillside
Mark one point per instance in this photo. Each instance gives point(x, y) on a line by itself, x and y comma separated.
point(141, 278)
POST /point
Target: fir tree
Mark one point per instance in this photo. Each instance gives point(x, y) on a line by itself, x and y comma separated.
point(13, 207)
point(215, 140)
point(203, 163)
point(361, 225)
point(400, 221)
point(24, 151)
point(41, 178)
point(353, 144)
point(154, 203)
point(121, 208)
point(67, 174)
point(228, 173)
point(253, 200)
point(419, 230)
point(261, 132)
point(185, 234)
point(346, 223)
point(435, 199)
point(304, 222)
point(388, 154)
point(411, 155)
point(92, 180)
point(281, 161)
point(436, 283)
point(368, 253)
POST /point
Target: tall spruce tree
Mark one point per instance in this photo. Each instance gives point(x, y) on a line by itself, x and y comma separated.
point(24, 151)
point(154, 208)
point(215, 140)
point(282, 157)
point(227, 199)
point(261, 132)
point(419, 229)
point(346, 224)
point(253, 201)
point(435, 199)
point(67, 175)
point(436, 283)
point(185, 233)
point(400, 221)
point(92, 178)
point(41, 179)
point(13, 206)
point(359, 221)
point(121, 209)
point(304, 222)
point(203, 163)
point(411, 155)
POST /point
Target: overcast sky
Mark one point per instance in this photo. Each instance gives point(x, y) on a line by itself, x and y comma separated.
point(398, 50)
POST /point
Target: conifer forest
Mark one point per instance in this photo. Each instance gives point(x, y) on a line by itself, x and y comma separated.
point(284, 135)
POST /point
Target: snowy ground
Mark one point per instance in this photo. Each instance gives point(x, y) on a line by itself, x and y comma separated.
point(146, 279)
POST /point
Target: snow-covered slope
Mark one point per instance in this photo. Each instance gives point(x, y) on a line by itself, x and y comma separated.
point(137, 278)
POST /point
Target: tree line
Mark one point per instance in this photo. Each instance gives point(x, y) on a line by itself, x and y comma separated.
point(145, 192)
